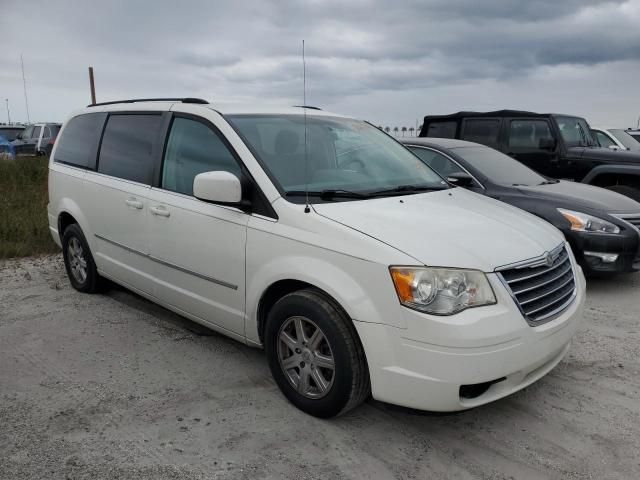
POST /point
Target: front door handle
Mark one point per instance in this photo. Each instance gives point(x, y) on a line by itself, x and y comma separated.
point(133, 203)
point(160, 211)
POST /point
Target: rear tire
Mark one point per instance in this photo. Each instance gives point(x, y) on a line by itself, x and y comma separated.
point(315, 355)
point(81, 269)
point(626, 190)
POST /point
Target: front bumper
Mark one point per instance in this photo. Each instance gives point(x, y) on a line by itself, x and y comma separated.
point(425, 365)
point(626, 245)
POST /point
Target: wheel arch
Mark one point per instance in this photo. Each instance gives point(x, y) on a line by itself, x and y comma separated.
point(363, 295)
point(608, 175)
point(278, 290)
point(68, 212)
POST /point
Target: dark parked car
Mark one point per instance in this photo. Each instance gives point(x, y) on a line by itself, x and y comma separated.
point(558, 146)
point(601, 226)
point(10, 132)
point(37, 139)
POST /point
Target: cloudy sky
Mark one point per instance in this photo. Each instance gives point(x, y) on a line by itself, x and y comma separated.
point(387, 62)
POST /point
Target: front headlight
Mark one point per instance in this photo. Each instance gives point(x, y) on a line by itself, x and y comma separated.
point(441, 291)
point(582, 222)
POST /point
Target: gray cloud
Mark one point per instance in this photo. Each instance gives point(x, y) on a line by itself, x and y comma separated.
point(358, 52)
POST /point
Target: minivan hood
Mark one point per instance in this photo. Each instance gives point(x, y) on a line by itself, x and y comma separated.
point(449, 228)
point(574, 195)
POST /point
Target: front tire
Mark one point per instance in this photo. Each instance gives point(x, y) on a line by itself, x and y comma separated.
point(315, 355)
point(78, 261)
point(626, 190)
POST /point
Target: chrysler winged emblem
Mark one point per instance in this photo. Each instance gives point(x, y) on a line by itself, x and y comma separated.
point(549, 259)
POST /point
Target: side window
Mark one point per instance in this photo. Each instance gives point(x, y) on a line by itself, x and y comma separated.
point(528, 133)
point(603, 139)
point(127, 146)
point(442, 129)
point(481, 130)
point(441, 164)
point(26, 133)
point(36, 133)
point(78, 143)
point(193, 148)
point(46, 133)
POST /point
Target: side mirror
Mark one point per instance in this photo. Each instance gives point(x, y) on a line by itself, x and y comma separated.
point(218, 187)
point(614, 147)
point(19, 136)
point(460, 179)
point(547, 144)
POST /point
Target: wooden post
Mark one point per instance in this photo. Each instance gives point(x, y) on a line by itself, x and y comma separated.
point(92, 86)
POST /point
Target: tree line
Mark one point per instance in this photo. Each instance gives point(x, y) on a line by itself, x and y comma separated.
point(402, 130)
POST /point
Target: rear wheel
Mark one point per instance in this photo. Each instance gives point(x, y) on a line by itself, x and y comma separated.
point(315, 355)
point(626, 190)
point(81, 269)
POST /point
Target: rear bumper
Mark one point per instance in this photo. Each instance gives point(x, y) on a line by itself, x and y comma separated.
point(498, 349)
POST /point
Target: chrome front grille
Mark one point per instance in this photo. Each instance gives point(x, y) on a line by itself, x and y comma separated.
point(542, 288)
point(632, 219)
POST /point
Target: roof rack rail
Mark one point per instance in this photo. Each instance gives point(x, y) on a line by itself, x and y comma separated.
point(136, 100)
point(307, 106)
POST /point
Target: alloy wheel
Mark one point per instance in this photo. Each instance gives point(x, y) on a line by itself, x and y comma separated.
point(305, 357)
point(77, 260)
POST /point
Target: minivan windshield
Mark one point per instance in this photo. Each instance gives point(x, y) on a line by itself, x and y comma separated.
point(343, 159)
point(498, 167)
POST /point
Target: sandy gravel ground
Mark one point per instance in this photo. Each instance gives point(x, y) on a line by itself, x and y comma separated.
point(111, 386)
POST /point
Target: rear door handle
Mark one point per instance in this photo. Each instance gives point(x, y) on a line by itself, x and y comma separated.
point(134, 203)
point(160, 211)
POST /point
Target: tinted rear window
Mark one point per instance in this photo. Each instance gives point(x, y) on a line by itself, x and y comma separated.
point(481, 130)
point(127, 146)
point(77, 145)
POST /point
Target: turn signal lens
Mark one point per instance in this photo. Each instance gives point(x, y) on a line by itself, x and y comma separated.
point(583, 222)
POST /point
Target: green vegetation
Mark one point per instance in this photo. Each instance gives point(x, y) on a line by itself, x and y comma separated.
point(24, 227)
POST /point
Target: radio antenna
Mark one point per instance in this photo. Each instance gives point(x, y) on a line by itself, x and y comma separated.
point(307, 209)
point(24, 83)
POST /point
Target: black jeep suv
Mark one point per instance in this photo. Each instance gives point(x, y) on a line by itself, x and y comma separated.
point(558, 146)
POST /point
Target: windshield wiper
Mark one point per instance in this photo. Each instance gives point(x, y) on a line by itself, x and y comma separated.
point(549, 182)
point(327, 194)
point(408, 189)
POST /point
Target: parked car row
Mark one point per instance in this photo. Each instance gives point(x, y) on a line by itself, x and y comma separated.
point(437, 275)
point(557, 146)
point(36, 139)
point(600, 225)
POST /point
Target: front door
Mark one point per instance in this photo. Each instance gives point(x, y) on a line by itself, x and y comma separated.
point(531, 142)
point(198, 248)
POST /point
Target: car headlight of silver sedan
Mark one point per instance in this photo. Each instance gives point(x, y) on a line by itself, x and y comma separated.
point(583, 222)
point(441, 291)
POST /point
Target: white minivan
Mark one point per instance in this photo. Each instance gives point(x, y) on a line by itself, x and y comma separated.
point(320, 238)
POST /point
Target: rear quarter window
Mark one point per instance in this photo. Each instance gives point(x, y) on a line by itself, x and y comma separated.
point(442, 129)
point(481, 130)
point(127, 146)
point(79, 140)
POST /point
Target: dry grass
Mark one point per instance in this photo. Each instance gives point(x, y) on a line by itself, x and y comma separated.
point(23, 208)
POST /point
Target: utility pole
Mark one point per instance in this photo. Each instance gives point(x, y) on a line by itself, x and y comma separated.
point(92, 86)
point(24, 83)
point(8, 114)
